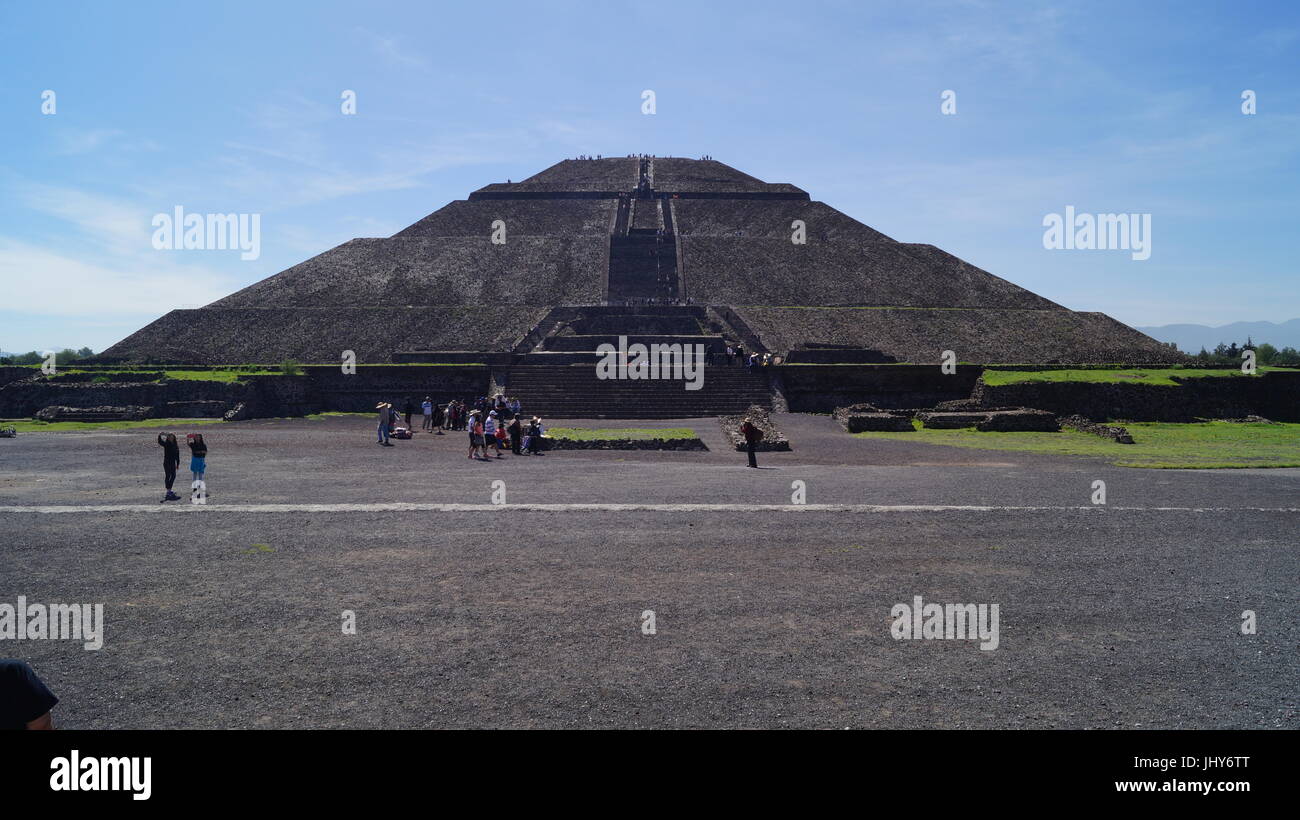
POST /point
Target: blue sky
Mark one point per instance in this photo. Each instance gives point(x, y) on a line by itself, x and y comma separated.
point(1107, 106)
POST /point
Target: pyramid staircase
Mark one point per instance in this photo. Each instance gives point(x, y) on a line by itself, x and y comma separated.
point(575, 392)
point(559, 378)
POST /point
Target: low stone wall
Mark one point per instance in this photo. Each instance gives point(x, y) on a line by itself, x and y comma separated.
point(359, 392)
point(939, 420)
point(1020, 420)
point(10, 374)
point(262, 396)
point(1274, 395)
point(823, 388)
point(837, 355)
point(552, 443)
point(867, 418)
point(200, 409)
point(877, 423)
point(24, 399)
point(106, 413)
point(1083, 425)
point(1017, 420)
point(135, 376)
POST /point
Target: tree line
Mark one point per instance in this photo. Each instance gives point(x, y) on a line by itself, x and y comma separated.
point(63, 357)
point(1265, 353)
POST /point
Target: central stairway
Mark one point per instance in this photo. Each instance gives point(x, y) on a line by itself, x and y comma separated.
point(559, 378)
point(575, 392)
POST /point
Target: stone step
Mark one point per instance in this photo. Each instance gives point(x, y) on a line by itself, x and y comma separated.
point(590, 342)
point(577, 392)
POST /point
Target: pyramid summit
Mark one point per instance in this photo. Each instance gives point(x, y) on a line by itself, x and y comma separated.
point(592, 247)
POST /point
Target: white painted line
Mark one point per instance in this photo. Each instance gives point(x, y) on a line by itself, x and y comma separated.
point(601, 508)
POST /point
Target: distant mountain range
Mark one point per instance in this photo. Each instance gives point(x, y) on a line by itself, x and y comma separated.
point(1191, 338)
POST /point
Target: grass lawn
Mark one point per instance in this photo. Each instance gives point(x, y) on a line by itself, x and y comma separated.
point(619, 433)
point(1144, 375)
point(1215, 444)
point(216, 375)
point(230, 375)
point(33, 426)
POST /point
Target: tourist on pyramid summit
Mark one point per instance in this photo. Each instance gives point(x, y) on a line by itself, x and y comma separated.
point(426, 407)
point(408, 408)
point(515, 406)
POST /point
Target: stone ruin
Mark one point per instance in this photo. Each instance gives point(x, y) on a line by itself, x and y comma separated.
point(773, 439)
point(862, 417)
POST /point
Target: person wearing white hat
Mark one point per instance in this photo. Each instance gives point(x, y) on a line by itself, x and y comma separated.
point(490, 433)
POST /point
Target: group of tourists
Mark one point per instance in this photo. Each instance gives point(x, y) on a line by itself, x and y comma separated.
point(495, 430)
point(458, 412)
point(735, 354)
point(172, 460)
point(492, 422)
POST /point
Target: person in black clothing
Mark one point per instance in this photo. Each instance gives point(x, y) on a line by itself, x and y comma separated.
point(516, 432)
point(535, 436)
point(753, 436)
point(171, 461)
point(407, 409)
point(25, 702)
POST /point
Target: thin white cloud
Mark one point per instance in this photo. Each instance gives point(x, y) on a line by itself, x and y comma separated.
point(46, 282)
point(84, 142)
point(391, 50)
point(120, 227)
